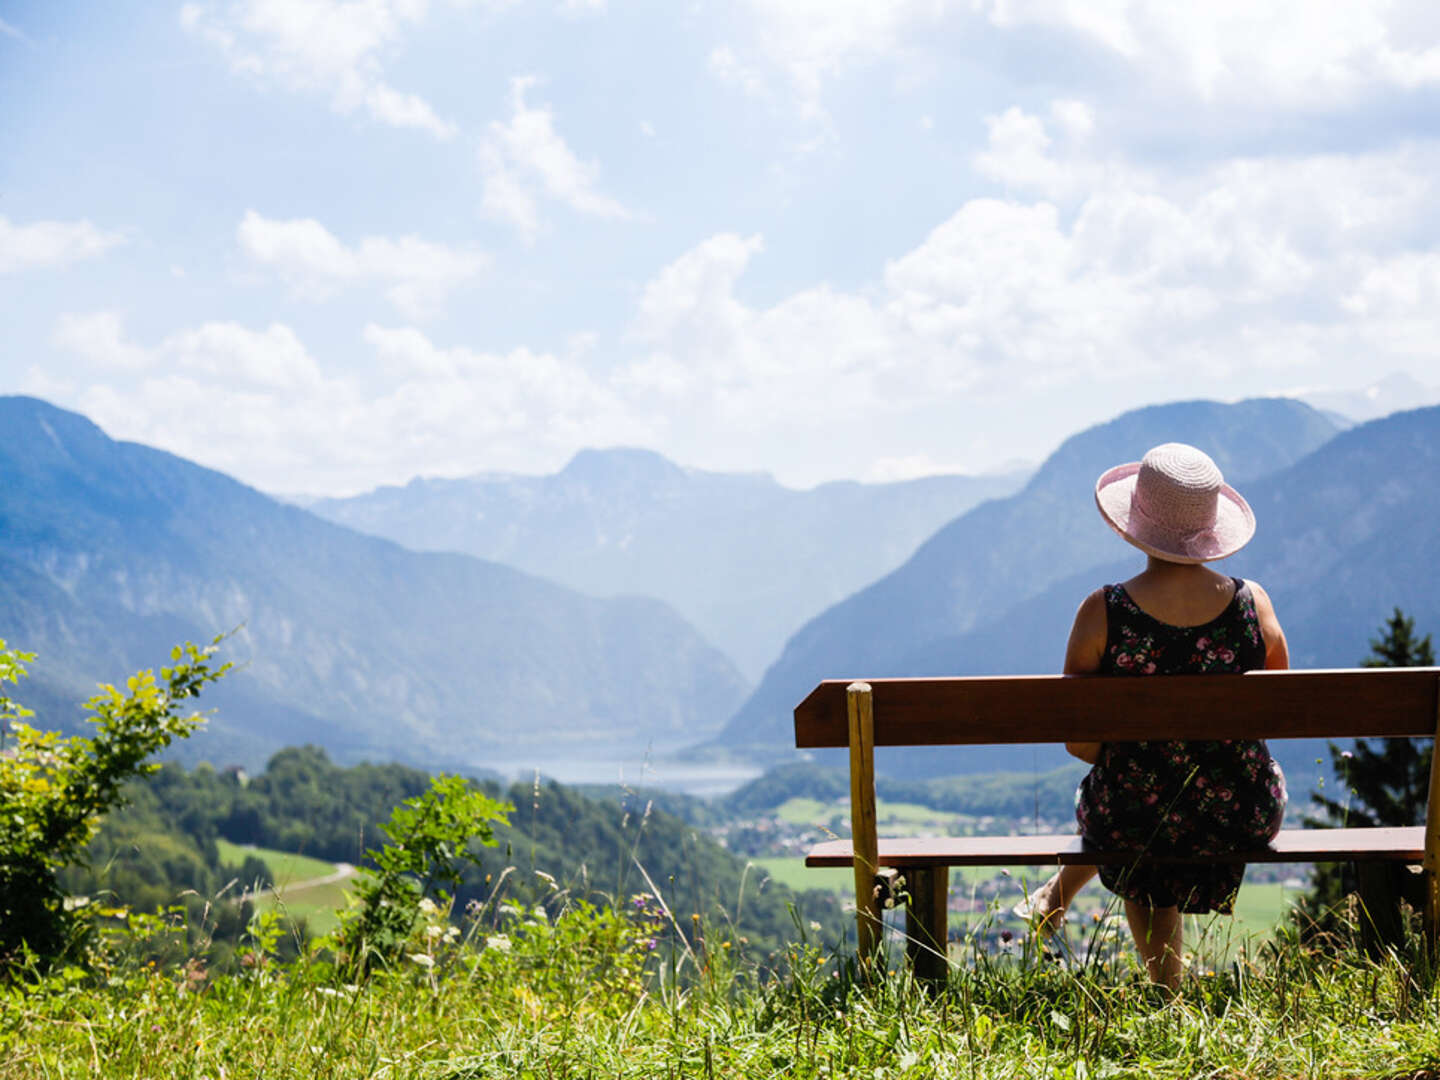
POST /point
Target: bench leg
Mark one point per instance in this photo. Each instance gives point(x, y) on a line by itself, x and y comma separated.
point(926, 926)
point(869, 927)
point(1432, 912)
point(1380, 924)
point(1432, 842)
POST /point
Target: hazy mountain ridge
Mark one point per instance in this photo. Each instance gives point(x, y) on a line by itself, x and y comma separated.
point(115, 550)
point(742, 557)
point(972, 574)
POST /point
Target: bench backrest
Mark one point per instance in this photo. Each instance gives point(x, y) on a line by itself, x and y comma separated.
point(1087, 708)
point(1359, 702)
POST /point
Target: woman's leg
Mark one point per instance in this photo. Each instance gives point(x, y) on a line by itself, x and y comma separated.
point(1047, 905)
point(1160, 937)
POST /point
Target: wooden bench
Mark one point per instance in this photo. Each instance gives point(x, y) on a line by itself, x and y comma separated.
point(1365, 702)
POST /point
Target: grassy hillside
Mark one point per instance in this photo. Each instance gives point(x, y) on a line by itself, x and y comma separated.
point(581, 994)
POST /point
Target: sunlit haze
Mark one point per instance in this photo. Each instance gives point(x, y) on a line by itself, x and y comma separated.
point(325, 245)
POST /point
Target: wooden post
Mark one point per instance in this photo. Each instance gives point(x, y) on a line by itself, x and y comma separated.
point(1432, 841)
point(926, 924)
point(864, 842)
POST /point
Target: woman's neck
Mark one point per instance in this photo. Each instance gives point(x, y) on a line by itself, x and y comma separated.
point(1183, 594)
point(1173, 571)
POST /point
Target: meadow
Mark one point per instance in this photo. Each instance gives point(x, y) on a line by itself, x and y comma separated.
point(642, 991)
point(300, 888)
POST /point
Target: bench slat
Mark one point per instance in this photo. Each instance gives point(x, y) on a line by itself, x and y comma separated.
point(1291, 845)
point(1363, 702)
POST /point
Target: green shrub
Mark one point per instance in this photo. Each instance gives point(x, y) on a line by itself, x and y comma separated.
point(430, 844)
point(54, 792)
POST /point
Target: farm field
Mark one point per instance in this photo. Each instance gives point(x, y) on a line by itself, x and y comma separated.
point(316, 904)
point(1260, 907)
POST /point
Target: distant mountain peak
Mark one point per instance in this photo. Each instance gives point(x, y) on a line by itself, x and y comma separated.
point(622, 464)
point(1395, 392)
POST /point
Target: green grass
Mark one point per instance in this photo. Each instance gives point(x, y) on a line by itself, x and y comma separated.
point(910, 816)
point(1260, 907)
point(316, 905)
point(791, 871)
point(581, 996)
point(286, 867)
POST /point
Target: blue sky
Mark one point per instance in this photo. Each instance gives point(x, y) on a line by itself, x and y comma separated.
point(328, 244)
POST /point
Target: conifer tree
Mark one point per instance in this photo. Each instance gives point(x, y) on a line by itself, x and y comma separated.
point(1386, 783)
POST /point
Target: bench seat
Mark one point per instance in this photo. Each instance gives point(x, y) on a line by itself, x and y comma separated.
point(1013, 709)
point(1406, 845)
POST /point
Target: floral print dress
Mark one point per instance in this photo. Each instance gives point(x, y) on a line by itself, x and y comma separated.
point(1194, 797)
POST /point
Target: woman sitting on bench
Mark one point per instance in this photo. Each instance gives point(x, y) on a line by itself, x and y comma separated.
point(1174, 617)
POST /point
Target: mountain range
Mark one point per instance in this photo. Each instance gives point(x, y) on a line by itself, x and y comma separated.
point(745, 559)
point(110, 552)
point(990, 562)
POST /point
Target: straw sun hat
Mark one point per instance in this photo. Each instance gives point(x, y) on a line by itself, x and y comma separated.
point(1175, 505)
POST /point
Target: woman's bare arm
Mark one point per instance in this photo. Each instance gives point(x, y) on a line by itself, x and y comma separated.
point(1083, 653)
point(1277, 650)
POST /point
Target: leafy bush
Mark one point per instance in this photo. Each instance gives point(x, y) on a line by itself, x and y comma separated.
point(430, 837)
point(54, 792)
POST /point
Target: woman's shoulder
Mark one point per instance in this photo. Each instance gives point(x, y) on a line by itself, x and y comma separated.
point(1255, 593)
point(1087, 635)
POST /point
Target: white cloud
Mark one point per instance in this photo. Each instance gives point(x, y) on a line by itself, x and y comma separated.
point(812, 41)
point(51, 243)
point(1280, 52)
point(889, 470)
point(99, 337)
point(526, 157)
point(335, 47)
point(727, 67)
point(419, 275)
point(257, 404)
point(1252, 270)
point(270, 359)
point(1271, 54)
point(1080, 276)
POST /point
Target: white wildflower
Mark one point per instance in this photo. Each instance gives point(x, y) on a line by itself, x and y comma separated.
point(423, 959)
point(498, 941)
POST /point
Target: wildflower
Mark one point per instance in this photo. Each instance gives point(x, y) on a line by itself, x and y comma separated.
point(423, 959)
point(498, 941)
point(432, 932)
point(427, 907)
point(814, 926)
point(473, 908)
